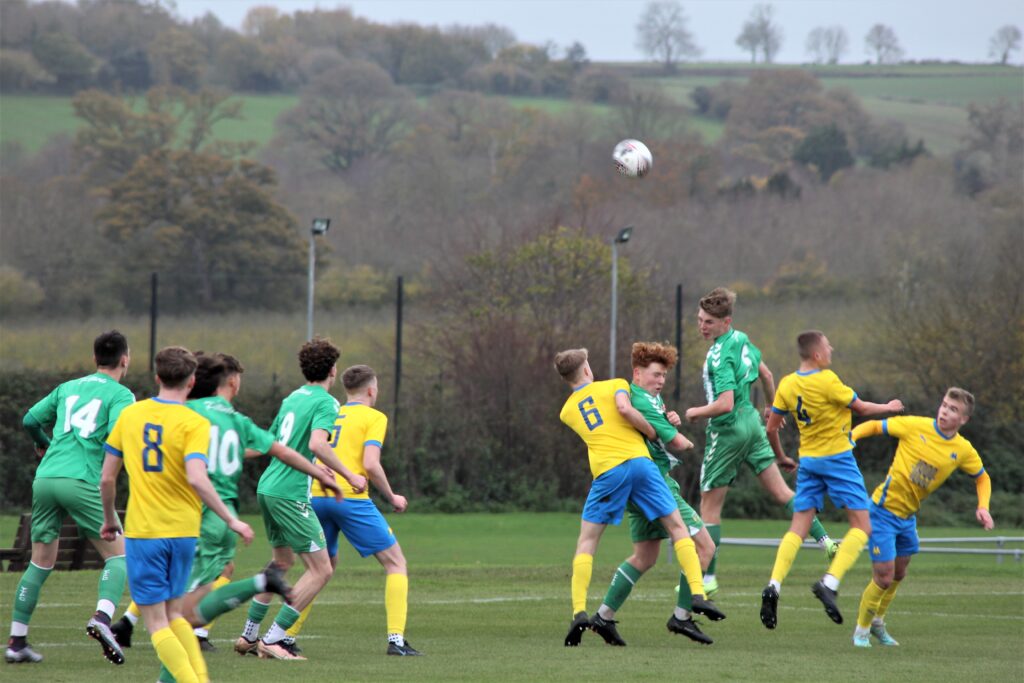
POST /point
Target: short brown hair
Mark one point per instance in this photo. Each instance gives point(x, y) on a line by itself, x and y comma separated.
point(357, 377)
point(210, 372)
point(645, 353)
point(569, 362)
point(718, 302)
point(316, 358)
point(232, 366)
point(174, 365)
point(807, 342)
point(963, 396)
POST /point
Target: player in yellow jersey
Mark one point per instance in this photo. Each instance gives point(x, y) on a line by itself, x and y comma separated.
point(821, 405)
point(929, 450)
point(163, 446)
point(357, 439)
point(601, 414)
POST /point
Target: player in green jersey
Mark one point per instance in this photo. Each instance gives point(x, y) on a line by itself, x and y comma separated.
point(735, 432)
point(305, 422)
point(82, 412)
point(233, 436)
point(651, 363)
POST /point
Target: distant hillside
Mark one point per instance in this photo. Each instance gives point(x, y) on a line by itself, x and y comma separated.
point(930, 100)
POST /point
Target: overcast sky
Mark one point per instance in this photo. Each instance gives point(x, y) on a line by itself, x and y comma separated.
point(927, 29)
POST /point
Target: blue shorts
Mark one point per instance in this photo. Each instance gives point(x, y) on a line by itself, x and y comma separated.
point(891, 536)
point(158, 568)
point(838, 476)
point(359, 519)
point(637, 480)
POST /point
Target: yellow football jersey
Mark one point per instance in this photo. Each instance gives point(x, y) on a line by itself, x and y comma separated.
point(820, 403)
point(356, 427)
point(924, 460)
point(155, 438)
point(590, 411)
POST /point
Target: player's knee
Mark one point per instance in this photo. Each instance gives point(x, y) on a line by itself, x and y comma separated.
point(642, 560)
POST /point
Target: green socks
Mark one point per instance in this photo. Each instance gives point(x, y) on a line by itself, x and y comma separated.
point(229, 597)
point(27, 593)
point(685, 597)
point(715, 531)
point(623, 580)
point(112, 581)
point(286, 617)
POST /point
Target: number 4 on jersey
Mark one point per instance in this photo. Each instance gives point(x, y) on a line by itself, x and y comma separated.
point(83, 419)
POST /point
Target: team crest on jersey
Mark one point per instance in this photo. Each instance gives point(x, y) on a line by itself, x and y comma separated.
point(876, 550)
point(952, 456)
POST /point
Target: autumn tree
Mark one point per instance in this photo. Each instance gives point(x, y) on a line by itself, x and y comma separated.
point(662, 33)
point(1003, 42)
point(881, 41)
point(348, 113)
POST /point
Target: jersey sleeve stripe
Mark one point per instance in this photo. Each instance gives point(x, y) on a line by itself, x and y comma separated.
point(852, 400)
point(373, 442)
point(113, 451)
point(777, 411)
point(977, 474)
point(193, 456)
point(885, 427)
point(621, 391)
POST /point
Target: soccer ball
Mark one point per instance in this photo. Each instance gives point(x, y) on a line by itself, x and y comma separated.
point(632, 158)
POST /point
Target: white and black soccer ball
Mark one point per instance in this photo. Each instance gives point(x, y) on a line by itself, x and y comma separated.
point(632, 158)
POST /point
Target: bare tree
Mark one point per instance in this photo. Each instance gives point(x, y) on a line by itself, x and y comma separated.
point(761, 32)
point(1003, 42)
point(882, 41)
point(662, 33)
point(827, 44)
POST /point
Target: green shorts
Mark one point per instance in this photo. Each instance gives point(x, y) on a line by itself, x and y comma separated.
point(641, 529)
point(292, 524)
point(216, 547)
point(55, 499)
point(744, 441)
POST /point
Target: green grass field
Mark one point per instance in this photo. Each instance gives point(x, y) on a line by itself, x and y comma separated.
point(489, 601)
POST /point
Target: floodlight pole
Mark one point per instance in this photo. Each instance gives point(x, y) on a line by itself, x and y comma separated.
point(621, 238)
point(319, 227)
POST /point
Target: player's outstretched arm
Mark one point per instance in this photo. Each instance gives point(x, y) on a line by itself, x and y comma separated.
point(768, 384)
point(775, 422)
point(633, 415)
point(294, 459)
point(869, 409)
point(371, 461)
point(720, 406)
point(984, 487)
point(321, 447)
point(108, 494)
point(679, 443)
point(866, 429)
point(199, 480)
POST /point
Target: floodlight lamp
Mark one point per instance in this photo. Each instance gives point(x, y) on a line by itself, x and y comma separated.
point(624, 235)
point(320, 225)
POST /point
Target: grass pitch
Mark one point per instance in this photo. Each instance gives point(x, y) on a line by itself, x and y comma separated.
point(489, 601)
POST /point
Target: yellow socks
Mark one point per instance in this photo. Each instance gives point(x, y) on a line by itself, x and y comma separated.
point(396, 602)
point(853, 542)
point(869, 604)
point(133, 609)
point(182, 630)
point(689, 563)
point(883, 604)
point(172, 655)
point(786, 555)
point(582, 568)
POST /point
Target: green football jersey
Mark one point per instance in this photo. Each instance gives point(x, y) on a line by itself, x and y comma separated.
point(732, 363)
point(306, 409)
point(231, 433)
point(82, 412)
point(653, 409)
